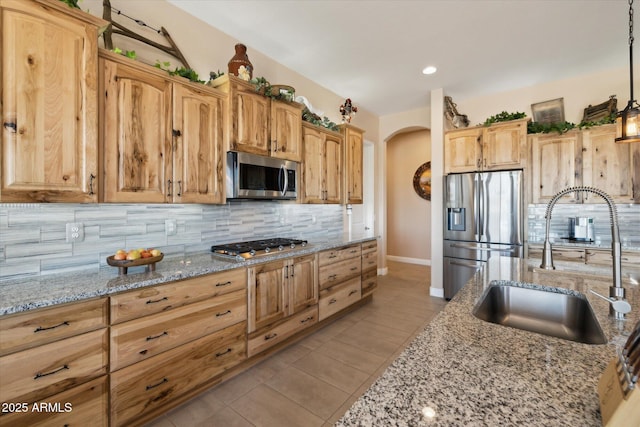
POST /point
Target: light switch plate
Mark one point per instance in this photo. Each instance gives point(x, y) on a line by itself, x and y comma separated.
point(75, 232)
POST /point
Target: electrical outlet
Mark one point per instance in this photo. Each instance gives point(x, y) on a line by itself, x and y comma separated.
point(170, 227)
point(75, 232)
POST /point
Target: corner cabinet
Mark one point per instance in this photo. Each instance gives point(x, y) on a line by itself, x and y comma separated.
point(49, 102)
point(353, 163)
point(260, 125)
point(161, 137)
point(589, 157)
point(321, 166)
point(500, 146)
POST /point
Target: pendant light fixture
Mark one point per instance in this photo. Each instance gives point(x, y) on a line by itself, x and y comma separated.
point(628, 120)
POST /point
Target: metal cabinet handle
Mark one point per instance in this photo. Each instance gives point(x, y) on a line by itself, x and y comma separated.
point(62, 368)
point(270, 336)
point(169, 185)
point(333, 301)
point(179, 188)
point(11, 125)
point(307, 319)
point(222, 353)
point(353, 292)
point(223, 314)
point(157, 336)
point(157, 300)
point(164, 380)
point(92, 177)
point(40, 328)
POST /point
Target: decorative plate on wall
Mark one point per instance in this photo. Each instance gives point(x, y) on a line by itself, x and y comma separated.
point(422, 181)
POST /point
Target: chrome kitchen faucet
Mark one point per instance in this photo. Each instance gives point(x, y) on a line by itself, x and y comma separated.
point(616, 292)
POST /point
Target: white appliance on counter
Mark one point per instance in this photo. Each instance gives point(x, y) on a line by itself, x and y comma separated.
point(483, 217)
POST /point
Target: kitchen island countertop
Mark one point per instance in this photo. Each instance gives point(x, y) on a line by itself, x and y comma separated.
point(48, 290)
point(463, 371)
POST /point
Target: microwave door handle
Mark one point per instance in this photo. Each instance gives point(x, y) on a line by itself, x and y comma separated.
point(283, 173)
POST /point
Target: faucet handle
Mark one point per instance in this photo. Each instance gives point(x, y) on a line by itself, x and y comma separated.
point(621, 306)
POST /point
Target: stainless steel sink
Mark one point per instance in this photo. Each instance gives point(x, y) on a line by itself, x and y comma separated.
point(556, 314)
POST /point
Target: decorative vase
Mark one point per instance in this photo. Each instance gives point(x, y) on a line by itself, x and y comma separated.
point(241, 59)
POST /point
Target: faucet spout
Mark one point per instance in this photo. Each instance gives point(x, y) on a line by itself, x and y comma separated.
point(616, 291)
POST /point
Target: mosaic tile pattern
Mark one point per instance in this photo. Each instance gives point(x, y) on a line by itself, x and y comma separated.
point(33, 236)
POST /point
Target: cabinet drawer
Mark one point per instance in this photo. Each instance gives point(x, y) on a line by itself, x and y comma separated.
point(141, 339)
point(369, 260)
point(338, 272)
point(84, 405)
point(371, 246)
point(335, 299)
point(560, 254)
point(369, 282)
point(150, 385)
point(21, 331)
point(262, 340)
point(34, 374)
point(329, 257)
point(156, 299)
point(603, 257)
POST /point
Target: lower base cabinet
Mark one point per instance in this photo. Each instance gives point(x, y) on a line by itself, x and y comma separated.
point(143, 390)
point(339, 297)
point(263, 339)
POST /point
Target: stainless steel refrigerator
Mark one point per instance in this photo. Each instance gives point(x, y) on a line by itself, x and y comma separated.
point(483, 218)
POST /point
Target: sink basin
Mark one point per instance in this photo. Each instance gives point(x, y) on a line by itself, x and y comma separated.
point(546, 312)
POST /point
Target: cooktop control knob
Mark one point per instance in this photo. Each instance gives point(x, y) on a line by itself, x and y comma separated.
point(252, 252)
point(267, 249)
point(281, 248)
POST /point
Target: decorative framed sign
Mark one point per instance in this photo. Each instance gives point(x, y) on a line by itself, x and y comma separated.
point(548, 112)
point(422, 181)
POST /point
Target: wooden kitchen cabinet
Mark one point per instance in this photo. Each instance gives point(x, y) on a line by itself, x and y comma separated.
point(585, 255)
point(369, 267)
point(556, 163)
point(353, 140)
point(339, 279)
point(500, 146)
point(162, 137)
point(258, 124)
point(322, 165)
point(609, 166)
point(278, 289)
point(49, 102)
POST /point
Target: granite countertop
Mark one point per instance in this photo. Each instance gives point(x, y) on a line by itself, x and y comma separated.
point(465, 371)
point(560, 242)
point(43, 291)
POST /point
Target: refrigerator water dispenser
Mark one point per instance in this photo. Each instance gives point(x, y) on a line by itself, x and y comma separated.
point(456, 219)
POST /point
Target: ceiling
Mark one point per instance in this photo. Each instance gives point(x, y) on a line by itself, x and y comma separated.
point(373, 51)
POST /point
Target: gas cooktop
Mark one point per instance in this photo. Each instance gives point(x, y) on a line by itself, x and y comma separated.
point(245, 250)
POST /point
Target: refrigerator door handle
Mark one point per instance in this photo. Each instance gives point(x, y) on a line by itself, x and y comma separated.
point(476, 207)
point(481, 205)
point(476, 248)
point(471, 264)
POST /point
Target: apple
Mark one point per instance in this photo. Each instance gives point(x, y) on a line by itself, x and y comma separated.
point(133, 254)
point(155, 252)
point(145, 254)
point(120, 256)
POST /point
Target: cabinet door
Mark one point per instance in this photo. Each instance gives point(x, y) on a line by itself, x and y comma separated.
point(250, 123)
point(303, 283)
point(332, 169)
point(198, 126)
point(504, 146)
point(607, 165)
point(137, 135)
point(267, 294)
point(49, 106)
point(286, 130)
point(353, 166)
point(462, 150)
point(556, 164)
point(312, 167)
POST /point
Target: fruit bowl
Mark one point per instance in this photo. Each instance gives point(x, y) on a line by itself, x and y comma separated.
point(124, 264)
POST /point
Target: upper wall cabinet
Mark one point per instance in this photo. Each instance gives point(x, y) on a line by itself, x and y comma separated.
point(258, 124)
point(162, 136)
point(49, 102)
point(500, 146)
point(321, 166)
point(590, 158)
point(353, 163)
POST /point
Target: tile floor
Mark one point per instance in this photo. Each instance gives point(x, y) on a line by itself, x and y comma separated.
point(315, 381)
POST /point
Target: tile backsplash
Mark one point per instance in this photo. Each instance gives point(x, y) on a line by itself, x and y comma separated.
point(33, 236)
point(628, 222)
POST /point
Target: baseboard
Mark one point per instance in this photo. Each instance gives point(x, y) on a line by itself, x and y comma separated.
point(436, 292)
point(383, 271)
point(419, 261)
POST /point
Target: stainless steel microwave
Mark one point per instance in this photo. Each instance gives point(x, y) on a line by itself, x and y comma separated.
point(250, 176)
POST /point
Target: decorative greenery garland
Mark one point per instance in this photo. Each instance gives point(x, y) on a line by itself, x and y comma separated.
point(564, 127)
point(179, 71)
point(504, 117)
point(315, 119)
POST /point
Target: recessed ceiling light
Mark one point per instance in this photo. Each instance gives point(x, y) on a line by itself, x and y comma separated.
point(429, 70)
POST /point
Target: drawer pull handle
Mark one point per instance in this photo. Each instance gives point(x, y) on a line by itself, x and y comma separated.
point(223, 352)
point(157, 336)
point(164, 380)
point(40, 328)
point(223, 284)
point(354, 251)
point(354, 268)
point(333, 301)
point(157, 300)
point(270, 336)
point(333, 256)
point(333, 277)
point(223, 314)
point(307, 319)
point(353, 292)
point(39, 375)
